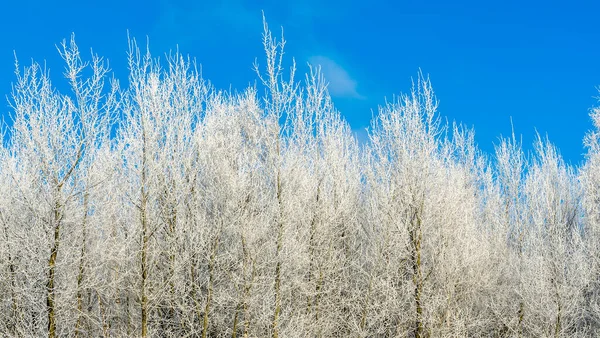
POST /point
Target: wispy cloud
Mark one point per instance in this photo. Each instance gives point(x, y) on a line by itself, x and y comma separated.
point(216, 24)
point(341, 84)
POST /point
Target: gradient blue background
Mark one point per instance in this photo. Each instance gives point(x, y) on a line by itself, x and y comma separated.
point(535, 61)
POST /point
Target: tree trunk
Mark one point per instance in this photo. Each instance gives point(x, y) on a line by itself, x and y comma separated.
point(50, 296)
point(416, 239)
point(211, 266)
point(81, 267)
point(145, 238)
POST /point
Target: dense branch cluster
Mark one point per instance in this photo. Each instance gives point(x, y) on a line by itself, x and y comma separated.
point(170, 209)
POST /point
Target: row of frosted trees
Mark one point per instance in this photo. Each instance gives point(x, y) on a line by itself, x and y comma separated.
point(166, 208)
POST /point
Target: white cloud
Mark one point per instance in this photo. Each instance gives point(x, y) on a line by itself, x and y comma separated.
point(341, 84)
point(191, 24)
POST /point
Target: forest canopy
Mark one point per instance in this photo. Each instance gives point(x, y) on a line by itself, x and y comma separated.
point(168, 208)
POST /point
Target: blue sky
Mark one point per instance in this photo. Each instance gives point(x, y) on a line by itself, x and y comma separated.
point(535, 61)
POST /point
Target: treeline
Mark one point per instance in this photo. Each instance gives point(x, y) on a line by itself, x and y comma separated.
point(166, 208)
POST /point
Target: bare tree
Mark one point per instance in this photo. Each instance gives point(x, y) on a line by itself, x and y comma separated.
point(54, 138)
point(555, 254)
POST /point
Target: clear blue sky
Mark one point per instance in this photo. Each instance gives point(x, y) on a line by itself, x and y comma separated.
point(535, 61)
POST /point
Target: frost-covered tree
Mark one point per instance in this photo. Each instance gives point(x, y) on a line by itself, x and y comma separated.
point(590, 185)
point(555, 257)
point(157, 150)
point(54, 140)
point(423, 196)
